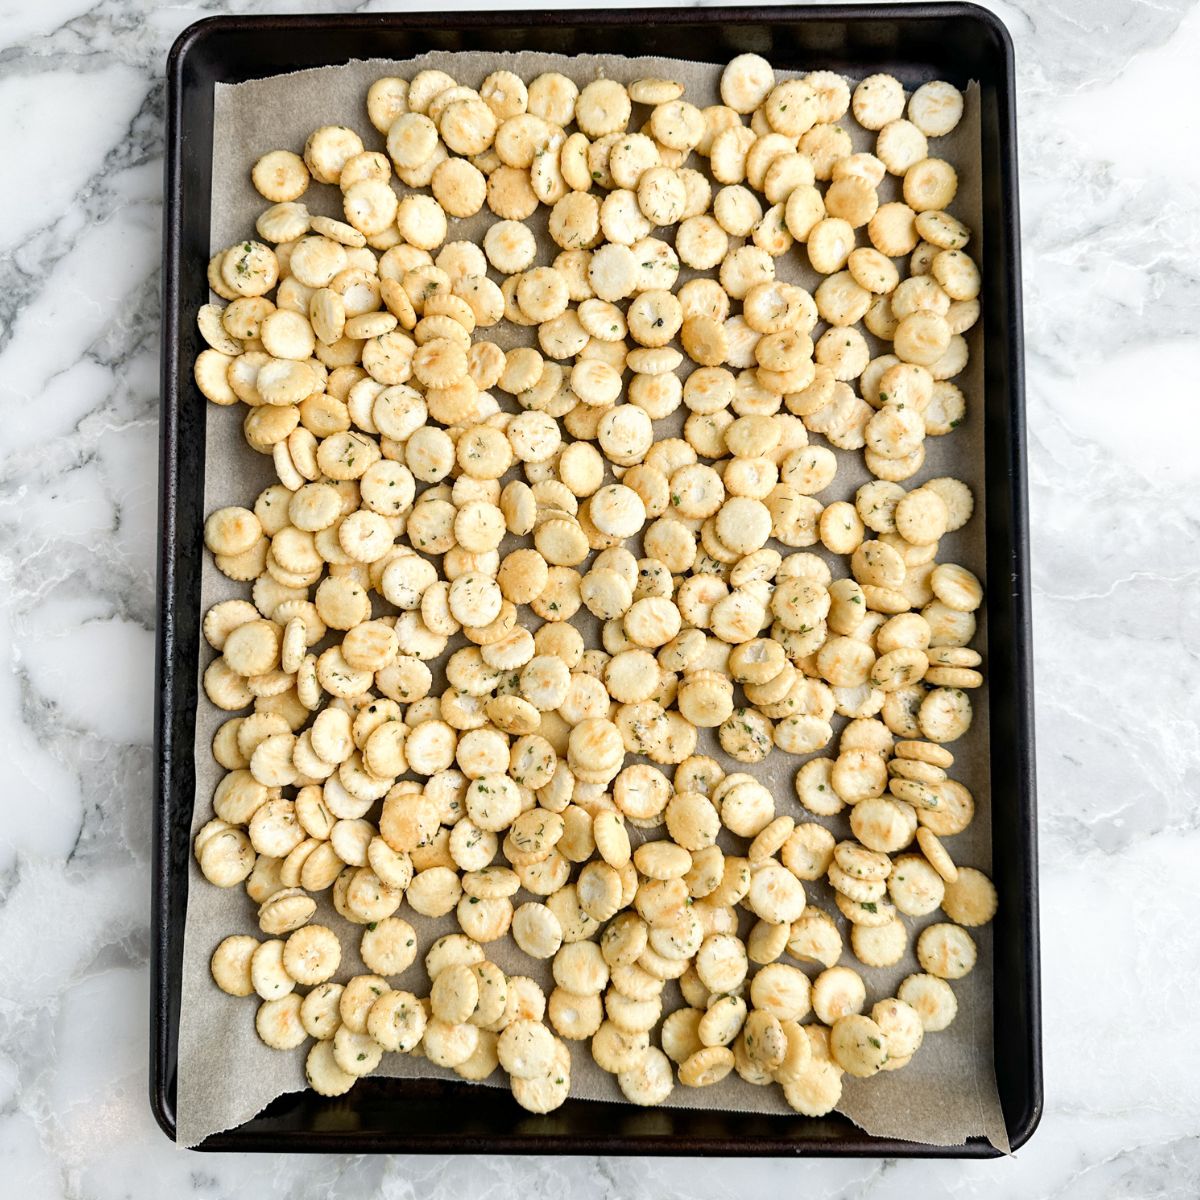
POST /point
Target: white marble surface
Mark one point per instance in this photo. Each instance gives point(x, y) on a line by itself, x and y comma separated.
point(1109, 97)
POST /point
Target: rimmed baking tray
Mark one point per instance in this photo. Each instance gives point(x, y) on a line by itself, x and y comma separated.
point(957, 42)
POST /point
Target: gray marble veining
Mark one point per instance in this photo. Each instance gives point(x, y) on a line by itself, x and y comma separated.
point(1108, 98)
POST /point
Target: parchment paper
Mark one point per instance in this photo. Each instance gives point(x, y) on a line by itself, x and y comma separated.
point(226, 1075)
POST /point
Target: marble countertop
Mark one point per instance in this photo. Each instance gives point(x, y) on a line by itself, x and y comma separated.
point(1109, 102)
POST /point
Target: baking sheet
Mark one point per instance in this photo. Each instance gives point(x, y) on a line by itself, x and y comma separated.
point(226, 1075)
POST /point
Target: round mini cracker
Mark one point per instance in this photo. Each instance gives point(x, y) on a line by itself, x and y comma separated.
point(278, 1023)
point(650, 1082)
point(932, 998)
point(947, 951)
point(970, 898)
point(388, 947)
point(396, 1021)
point(230, 965)
point(935, 108)
point(526, 1049)
point(322, 1072)
point(879, 946)
point(915, 887)
point(319, 1011)
point(312, 954)
point(858, 1045)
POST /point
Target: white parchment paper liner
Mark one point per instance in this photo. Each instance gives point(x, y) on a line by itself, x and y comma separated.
point(226, 1075)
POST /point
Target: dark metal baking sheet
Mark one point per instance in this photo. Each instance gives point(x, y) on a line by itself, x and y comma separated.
point(957, 42)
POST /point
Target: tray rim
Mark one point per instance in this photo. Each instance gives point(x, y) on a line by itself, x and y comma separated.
point(164, 887)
